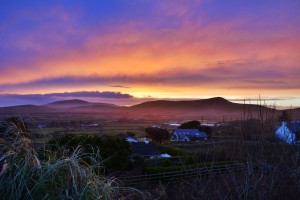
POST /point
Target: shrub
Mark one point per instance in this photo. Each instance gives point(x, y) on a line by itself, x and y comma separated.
point(173, 161)
point(158, 135)
point(174, 151)
point(113, 151)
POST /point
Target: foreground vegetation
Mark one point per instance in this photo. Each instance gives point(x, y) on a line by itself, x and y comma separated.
point(81, 167)
point(64, 173)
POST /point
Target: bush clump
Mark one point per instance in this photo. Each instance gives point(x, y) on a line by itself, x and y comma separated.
point(60, 174)
point(114, 151)
point(174, 151)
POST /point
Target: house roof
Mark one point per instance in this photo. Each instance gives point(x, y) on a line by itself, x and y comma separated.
point(191, 133)
point(144, 149)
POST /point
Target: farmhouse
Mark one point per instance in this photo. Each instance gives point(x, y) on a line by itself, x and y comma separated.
point(288, 132)
point(188, 135)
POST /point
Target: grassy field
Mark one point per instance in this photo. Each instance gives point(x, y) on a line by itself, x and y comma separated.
point(108, 128)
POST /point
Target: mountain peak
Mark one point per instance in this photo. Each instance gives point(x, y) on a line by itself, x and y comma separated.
point(218, 99)
point(167, 104)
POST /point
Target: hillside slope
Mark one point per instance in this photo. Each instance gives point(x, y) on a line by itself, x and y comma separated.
point(67, 104)
point(214, 108)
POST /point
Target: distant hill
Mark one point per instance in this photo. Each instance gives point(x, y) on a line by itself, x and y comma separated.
point(216, 103)
point(94, 108)
point(78, 106)
point(67, 104)
point(213, 109)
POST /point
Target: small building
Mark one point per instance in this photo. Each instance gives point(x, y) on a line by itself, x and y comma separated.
point(131, 139)
point(288, 133)
point(188, 135)
point(145, 149)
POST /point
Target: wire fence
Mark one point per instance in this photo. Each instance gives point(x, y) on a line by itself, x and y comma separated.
point(180, 175)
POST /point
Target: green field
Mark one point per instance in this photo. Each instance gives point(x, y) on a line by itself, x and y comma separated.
point(111, 129)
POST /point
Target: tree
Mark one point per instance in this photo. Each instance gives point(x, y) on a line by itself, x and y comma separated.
point(158, 135)
point(196, 125)
point(130, 134)
point(190, 125)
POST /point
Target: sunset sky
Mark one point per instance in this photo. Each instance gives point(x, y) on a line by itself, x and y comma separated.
point(129, 51)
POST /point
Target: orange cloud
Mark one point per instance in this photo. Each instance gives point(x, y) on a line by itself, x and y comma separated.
point(189, 59)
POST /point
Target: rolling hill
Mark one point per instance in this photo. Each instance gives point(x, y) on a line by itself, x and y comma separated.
point(213, 108)
point(79, 106)
point(213, 103)
point(67, 104)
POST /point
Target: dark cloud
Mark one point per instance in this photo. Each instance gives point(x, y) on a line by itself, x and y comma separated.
point(120, 86)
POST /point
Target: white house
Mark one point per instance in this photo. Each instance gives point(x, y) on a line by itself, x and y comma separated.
point(288, 132)
point(188, 135)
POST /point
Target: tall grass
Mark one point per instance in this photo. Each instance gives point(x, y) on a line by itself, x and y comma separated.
point(64, 174)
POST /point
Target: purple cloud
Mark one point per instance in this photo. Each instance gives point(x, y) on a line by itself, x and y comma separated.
point(247, 74)
point(120, 86)
point(94, 94)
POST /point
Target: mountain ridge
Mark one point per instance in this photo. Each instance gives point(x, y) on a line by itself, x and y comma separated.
point(182, 103)
point(209, 108)
point(67, 103)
